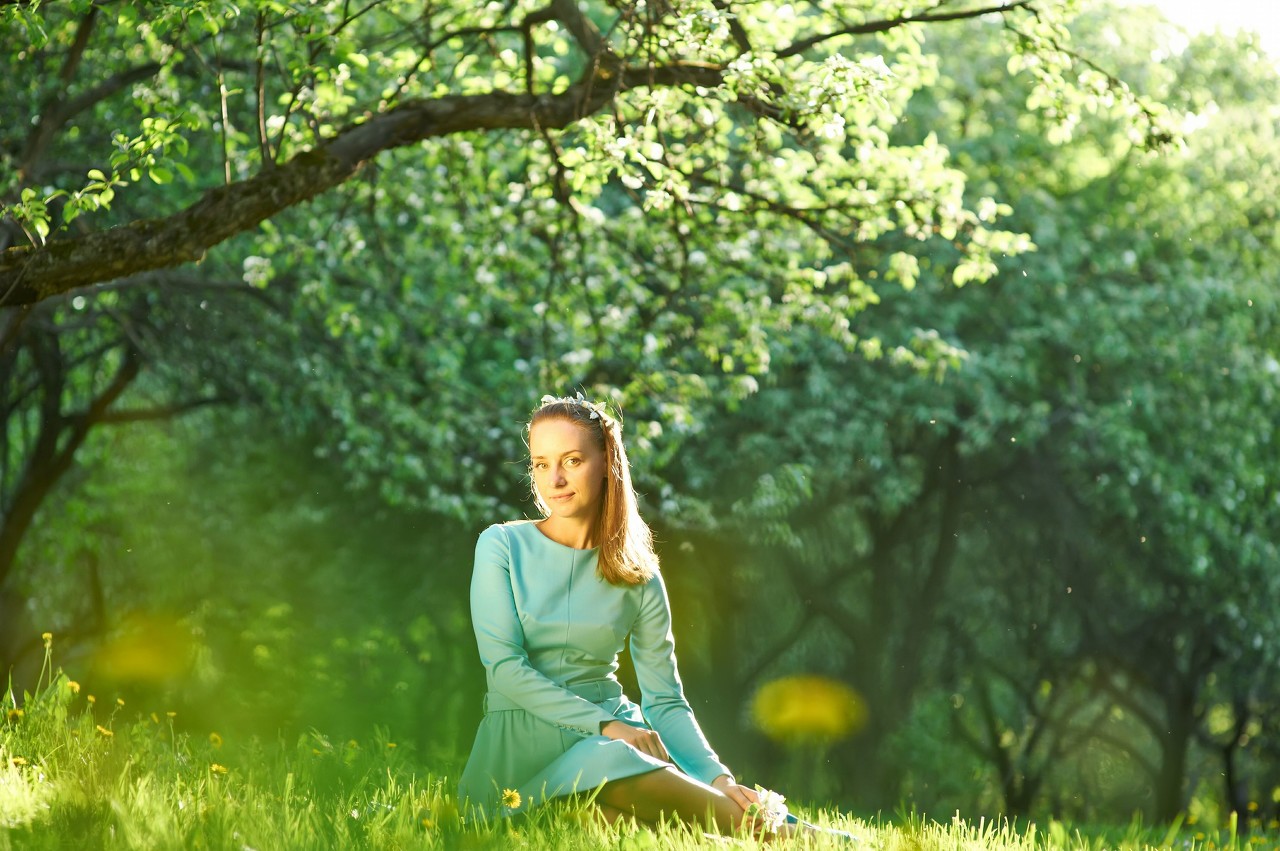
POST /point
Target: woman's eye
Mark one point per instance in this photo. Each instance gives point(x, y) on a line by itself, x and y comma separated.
point(571, 462)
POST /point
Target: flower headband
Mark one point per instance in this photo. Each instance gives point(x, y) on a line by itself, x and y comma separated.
point(596, 409)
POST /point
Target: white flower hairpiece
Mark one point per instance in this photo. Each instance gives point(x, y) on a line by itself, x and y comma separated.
point(597, 409)
point(770, 808)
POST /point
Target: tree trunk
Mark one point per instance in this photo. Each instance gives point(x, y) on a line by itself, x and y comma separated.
point(1171, 781)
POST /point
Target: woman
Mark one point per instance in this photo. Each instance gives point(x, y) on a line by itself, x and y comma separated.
point(552, 602)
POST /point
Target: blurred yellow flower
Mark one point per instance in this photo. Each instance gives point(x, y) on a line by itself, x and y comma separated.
point(104, 731)
point(13, 716)
point(215, 740)
point(17, 761)
point(807, 708)
point(48, 639)
point(215, 768)
point(155, 719)
point(119, 701)
point(427, 824)
point(91, 699)
point(511, 799)
point(172, 714)
point(391, 744)
point(73, 686)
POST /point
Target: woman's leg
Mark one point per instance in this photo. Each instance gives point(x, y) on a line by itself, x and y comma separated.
point(666, 792)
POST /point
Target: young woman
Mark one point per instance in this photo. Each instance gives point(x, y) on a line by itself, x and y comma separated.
point(552, 602)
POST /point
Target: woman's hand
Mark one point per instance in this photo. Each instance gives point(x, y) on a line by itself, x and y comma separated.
point(644, 740)
point(740, 795)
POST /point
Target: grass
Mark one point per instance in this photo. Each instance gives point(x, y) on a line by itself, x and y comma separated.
point(81, 773)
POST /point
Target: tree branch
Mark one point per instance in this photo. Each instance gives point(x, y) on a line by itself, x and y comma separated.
point(164, 412)
point(52, 121)
point(892, 23)
point(31, 273)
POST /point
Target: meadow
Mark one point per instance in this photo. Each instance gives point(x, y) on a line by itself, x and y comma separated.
point(83, 771)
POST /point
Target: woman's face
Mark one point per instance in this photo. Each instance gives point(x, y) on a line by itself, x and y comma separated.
point(568, 468)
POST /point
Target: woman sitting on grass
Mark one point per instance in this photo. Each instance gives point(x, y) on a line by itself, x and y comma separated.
point(552, 602)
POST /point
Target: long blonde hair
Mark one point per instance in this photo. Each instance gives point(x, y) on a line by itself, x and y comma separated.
point(625, 540)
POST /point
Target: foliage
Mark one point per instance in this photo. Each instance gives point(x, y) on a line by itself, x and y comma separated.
point(648, 248)
point(1060, 540)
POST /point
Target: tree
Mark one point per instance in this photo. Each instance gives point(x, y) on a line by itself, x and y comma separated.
point(1067, 525)
point(635, 196)
point(332, 87)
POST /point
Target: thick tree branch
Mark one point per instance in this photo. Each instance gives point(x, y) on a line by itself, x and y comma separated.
point(31, 273)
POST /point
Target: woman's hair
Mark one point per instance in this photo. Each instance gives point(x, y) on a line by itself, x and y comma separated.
point(626, 544)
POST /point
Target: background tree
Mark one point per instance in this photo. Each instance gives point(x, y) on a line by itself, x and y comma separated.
point(1038, 579)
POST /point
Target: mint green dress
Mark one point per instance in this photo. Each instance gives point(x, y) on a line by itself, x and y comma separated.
point(549, 630)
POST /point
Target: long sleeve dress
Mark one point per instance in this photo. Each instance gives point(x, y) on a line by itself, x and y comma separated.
point(549, 631)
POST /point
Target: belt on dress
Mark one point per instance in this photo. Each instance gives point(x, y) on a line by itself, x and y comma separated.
point(596, 691)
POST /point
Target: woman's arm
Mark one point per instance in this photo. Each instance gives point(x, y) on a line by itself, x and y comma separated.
point(662, 695)
point(500, 639)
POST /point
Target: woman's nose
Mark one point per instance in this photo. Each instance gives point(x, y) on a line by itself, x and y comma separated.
point(557, 475)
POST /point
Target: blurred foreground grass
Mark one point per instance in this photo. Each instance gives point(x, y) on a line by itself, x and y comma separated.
point(78, 772)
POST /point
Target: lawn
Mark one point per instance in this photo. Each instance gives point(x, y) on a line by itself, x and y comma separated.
point(77, 771)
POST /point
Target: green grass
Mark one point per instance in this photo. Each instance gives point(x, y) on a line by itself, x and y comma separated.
point(76, 773)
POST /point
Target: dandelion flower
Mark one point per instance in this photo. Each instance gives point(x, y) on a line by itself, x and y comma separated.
point(17, 761)
point(48, 639)
point(215, 740)
point(427, 824)
point(511, 799)
point(104, 731)
point(13, 716)
point(808, 709)
point(91, 699)
point(391, 744)
point(171, 714)
point(73, 686)
point(119, 701)
point(216, 768)
point(155, 719)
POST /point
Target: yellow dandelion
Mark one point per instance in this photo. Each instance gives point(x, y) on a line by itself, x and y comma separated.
point(155, 719)
point(91, 699)
point(48, 639)
point(119, 701)
point(13, 716)
point(17, 761)
point(511, 799)
point(1253, 806)
point(391, 744)
point(808, 709)
point(104, 731)
point(215, 740)
point(73, 686)
point(216, 768)
point(427, 824)
point(171, 714)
